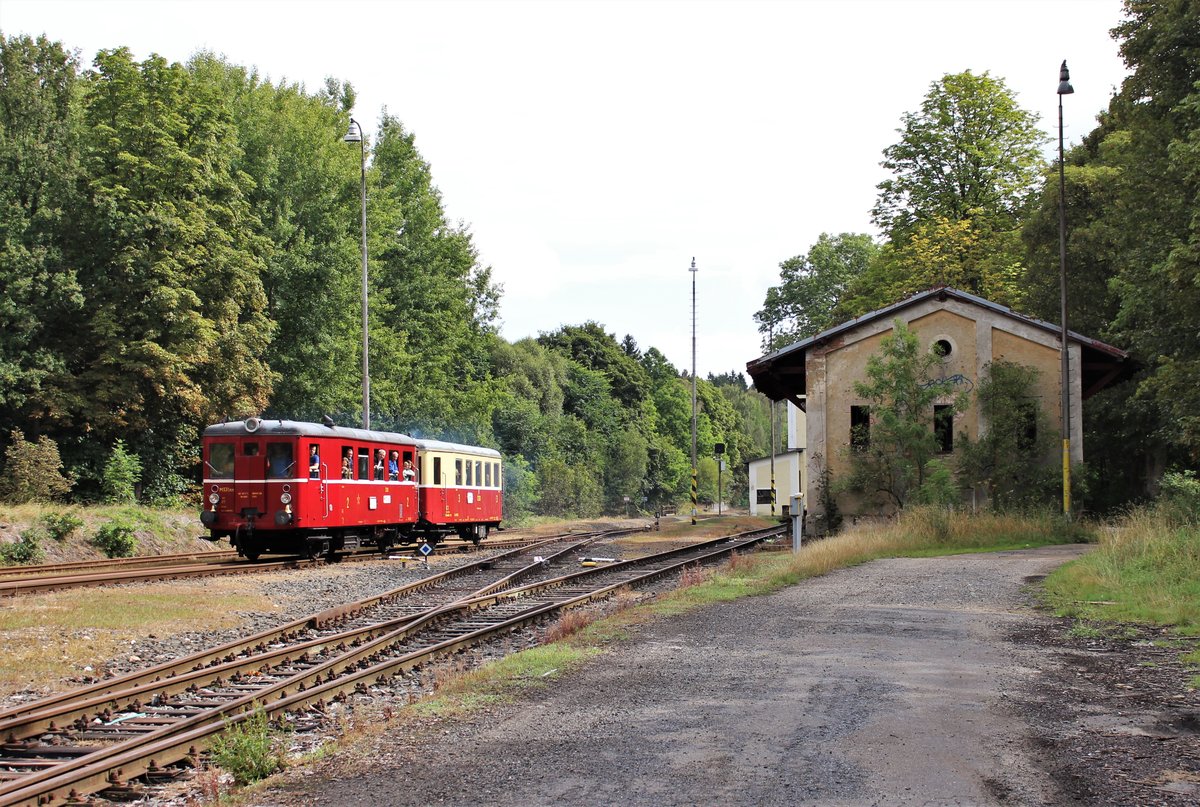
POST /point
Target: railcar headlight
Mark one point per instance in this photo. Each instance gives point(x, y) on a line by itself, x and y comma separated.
point(285, 498)
point(213, 498)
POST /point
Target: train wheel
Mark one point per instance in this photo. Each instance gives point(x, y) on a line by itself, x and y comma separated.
point(252, 553)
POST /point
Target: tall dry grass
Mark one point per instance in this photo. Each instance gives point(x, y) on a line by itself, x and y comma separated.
point(1145, 569)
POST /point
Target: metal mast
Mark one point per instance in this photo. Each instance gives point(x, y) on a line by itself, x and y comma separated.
point(693, 271)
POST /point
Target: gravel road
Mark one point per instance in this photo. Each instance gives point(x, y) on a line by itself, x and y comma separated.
point(893, 683)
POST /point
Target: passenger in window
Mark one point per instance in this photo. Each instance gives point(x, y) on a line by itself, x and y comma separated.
point(314, 463)
point(409, 473)
point(394, 466)
point(380, 463)
point(347, 465)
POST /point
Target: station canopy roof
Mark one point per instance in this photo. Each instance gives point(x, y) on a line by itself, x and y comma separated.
point(781, 375)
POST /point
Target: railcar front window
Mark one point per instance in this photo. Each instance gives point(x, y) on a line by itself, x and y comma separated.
point(280, 462)
point(220, 460)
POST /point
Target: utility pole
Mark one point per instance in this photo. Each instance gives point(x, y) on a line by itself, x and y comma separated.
point(771, 348)
point(693, 271)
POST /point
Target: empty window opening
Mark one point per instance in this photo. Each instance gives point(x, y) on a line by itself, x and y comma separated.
point(943, 348)
point(943, 427)
point(860, 428)
point(1027, 436)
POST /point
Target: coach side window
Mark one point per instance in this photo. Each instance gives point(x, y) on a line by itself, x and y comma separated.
point(487, 475)
point(470, 476)
point(479, 473)
point(458, 472)
point(364, 463)
point(496, 473)
point(437, 470)
point(347, 462)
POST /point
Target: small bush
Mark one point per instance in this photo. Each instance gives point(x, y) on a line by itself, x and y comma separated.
point(248, 750)
point(60, 526)
point(25, 550)
point(33, 471)
point(1179, 498)
point(122, 473)
point(116, 539)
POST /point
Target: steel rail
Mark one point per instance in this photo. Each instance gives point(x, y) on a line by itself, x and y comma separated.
point(116, 563)
point(18, 722)
point(108, 767)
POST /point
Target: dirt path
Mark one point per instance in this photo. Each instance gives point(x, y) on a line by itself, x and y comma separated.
point(898, 682)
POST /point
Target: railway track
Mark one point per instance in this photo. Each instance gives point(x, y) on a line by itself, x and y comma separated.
point(55, 577)
point(155, 722)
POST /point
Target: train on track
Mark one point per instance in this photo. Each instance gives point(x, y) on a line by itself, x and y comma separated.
point(290, 487)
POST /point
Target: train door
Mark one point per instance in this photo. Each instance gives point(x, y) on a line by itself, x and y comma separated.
point(250, 473)
point(440, 490)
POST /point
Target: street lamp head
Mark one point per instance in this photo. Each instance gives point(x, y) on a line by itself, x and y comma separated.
point(1064, 80)
point(354, 134)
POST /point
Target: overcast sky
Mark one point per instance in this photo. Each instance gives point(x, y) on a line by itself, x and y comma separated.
point(595, 148)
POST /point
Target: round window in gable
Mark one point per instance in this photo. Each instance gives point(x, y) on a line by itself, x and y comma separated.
point(943, 348)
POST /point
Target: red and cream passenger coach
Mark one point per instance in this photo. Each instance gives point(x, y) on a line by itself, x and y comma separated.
point(292, 487)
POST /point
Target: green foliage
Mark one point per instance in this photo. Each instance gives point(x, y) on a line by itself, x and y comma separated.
point(33, 471)
point(1014, 459)
point(116, 539)
point(39, 195)
point(811, 285)
point(938, 488)
point(25, 550)
point(827, 496)
point(60, 526)
point(970, 148)
point(520, 489)
point(901, 391)
point(122, 473)
point(1179, 498)
point(249, 750)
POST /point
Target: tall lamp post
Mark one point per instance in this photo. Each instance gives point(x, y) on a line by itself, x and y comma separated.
point(1064, 88)
point(693, 270)
point(355, 135)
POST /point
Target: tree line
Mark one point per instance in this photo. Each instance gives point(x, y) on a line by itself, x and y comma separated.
point(970, 202)
point(180, 244)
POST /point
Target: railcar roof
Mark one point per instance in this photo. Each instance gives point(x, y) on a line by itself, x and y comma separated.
point(293, 428)
point(457, 448)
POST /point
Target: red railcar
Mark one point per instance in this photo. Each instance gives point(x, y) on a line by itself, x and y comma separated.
point(292, 487)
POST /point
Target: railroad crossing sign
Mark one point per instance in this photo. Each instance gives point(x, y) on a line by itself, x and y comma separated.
point(425, 549)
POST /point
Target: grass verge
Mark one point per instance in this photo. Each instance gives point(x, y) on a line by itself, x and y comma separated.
point(1146, 569)
point(46, 638)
